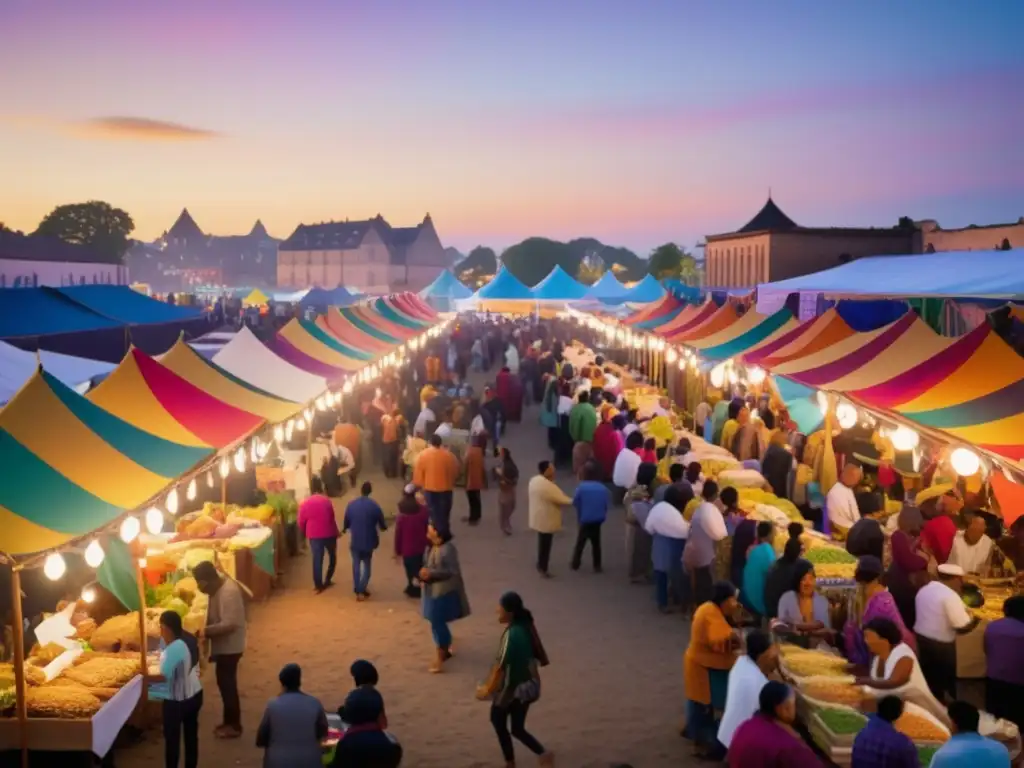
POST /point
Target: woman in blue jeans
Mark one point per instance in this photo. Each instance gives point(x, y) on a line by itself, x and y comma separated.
point(444, 594)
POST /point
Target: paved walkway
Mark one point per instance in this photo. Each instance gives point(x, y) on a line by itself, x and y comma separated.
point(613, 692)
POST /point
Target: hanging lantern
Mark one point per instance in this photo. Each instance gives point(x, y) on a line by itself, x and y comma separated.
point(154, 520)
point(904, 439)
point(54, 567)
point(130, 529)
point(846, 415)
point(965, 462)
point(94, 554)
point(172, 501)
point(190, 492)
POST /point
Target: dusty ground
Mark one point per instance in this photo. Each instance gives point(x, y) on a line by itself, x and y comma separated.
point(613, 692)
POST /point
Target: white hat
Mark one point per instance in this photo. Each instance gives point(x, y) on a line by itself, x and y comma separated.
point(948, 569)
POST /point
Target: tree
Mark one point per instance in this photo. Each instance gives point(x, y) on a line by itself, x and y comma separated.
point(671, 261)
point(479, 266)
point(95, 224)
point(590, 270)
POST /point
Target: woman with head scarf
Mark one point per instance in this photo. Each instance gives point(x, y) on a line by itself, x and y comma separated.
point(871, 601)
point(365, 742)
point(293, 725)
point(908, 571)
point(638, 540)
point(507, 474)
point(707, 662)
point(514, 682)
point(444, 593)
point(768, 739)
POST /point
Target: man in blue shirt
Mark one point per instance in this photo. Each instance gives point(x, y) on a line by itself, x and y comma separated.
point(879, 744)
point(591, 500)
point(364, 519)
point(967, 746)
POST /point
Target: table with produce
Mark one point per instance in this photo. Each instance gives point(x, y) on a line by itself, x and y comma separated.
point(83, 682)
point(834, 708)
point(240, 540)
point(985, 598)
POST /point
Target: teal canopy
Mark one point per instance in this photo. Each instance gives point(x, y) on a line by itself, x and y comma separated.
point(505, 285)
point(608, 287)
point(646, 291)
point(559, 286)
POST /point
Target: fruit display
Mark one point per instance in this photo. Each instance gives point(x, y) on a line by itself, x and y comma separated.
point(834, 692)
point(813, 663)
point(842, 722)
point(992, 609)
point(712, 467)
point(769, 499)
point(920, 728)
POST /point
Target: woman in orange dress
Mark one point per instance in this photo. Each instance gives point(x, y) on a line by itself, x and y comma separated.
point(706, 665)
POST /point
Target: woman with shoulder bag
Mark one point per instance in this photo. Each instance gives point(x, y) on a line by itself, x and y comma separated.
point(514, 682)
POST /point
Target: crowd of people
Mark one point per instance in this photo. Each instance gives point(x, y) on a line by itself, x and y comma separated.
point(686, 538)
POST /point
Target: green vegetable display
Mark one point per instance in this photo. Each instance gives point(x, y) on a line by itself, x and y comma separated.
point(829, 556)
point(925, 755)
point(155, 596)
point(841, 722)
point(177, 605)
point(284, 506)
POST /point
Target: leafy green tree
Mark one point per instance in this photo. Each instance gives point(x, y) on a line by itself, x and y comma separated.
point(590, 270)
point(670, 261)
point(478, 267)
point(98, 225)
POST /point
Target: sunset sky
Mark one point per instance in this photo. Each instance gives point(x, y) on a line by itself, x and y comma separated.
point(634, 122)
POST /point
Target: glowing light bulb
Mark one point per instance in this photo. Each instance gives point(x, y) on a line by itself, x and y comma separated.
point(321, 404)
point(94, 554)
point(671, 355)
point(846, 415)
point(756, 375)
point(254, 450)
point(130, 529)
point(965, 462)
point(54, 567)
point(718, 376)
point(190, 492)
point(348, 387)
point(289, 430)
point(308, 413)
point(154, 520)
point(279, 433)
point(172, 501)
point(225, 467)
point(300, 424)
point(904, 439)
point(209, 479)
point(88, 595)
point(240, 460)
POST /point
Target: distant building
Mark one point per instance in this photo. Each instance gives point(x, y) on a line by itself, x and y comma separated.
point(30, 261)
point(973, 238)
point(185, 257)
point(370, 256)
point(771, 246)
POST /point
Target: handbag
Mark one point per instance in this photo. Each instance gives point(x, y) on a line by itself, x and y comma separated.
point(528, 691)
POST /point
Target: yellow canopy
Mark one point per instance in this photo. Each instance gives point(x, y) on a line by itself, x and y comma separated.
point(255, 299)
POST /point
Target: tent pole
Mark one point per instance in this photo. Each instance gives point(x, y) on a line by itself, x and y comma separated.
point(309, 454)
point(143, 639)
point(18, 631)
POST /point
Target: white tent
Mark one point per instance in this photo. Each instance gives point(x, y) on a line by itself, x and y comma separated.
point(17, 367)
point(246, 357)
point(209, 344)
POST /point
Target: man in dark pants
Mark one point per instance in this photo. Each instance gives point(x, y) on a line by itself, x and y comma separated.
point(363, 518)
point(225, 626)
point(546, 502)
point(591, 500)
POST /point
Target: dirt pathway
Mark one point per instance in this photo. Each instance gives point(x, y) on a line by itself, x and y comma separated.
point(613, 693)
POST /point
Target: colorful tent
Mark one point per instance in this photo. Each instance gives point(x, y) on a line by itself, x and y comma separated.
point(43, 312)
point(68, 467)
point(248, 359)
point(504, 287)
point(646, 291)
point(444, 292)
point(608, 287)
point(667, 305)
point(327, 297)
point(18, 365)
point(121, 303)
point(559, 286)
point(256, 298)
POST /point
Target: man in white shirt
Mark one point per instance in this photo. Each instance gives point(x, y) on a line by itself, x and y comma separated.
point(707, 528)
point(941, 616)
point(627, 463)
point(972, 549)
point(701, 416)
point(841, 502)
point(420, 427)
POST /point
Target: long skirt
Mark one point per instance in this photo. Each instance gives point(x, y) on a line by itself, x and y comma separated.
point(581, 454)
point(638, 551)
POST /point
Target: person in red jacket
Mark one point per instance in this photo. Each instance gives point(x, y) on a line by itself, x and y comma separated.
point(318, 524)
point(411, 537)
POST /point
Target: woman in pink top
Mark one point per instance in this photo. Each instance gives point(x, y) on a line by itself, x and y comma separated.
point(411, 536)
point(317, 523)
point(649, 453)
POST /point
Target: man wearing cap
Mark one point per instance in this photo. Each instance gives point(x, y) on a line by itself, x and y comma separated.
point(941, 616)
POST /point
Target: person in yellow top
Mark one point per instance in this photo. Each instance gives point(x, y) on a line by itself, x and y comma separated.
point(706, 664)
point(433, 368)
point(597, 373)
point(731, 426)
point(436, 471)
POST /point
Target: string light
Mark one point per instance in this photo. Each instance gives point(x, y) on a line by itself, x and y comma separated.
point(718, 376)
point(209, 479)
point(756, 376)
point(289, 430)
point(279, 433)
point(671, 355)
point(94, 554)
point(88, 595)
point(172, 501)
point(905, 439)
point(54, 567)
point(321, 404)
point(308, 413)
point(965, 462)
point(130, 529)
point(254, 451)
point(300, 425)
point(846, 414)
point(240, 460)
point(190, 492)
point(154, 520)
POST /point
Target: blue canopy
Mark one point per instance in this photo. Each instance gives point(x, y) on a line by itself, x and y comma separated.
point(327, 297)
point(646, 291)
point(559, 286)
point(447, 286)
point(121, 303)
point(683, 292)
point(608, 287)
point(43, 312)
point(801, 402)
point(18, 365)
point(505, 285)
point(950, 274)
